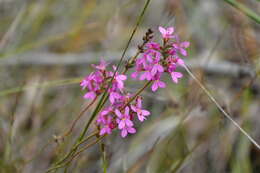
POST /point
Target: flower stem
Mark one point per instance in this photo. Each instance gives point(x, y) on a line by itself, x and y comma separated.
point(138, 93)
point(79, 116)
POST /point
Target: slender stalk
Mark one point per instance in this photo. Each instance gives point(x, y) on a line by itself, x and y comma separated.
point(79, 116)
point(75, 155)
point(138, 93)
point(220, 108)
point(104, 164)
point(247, 11)
point(77, 145)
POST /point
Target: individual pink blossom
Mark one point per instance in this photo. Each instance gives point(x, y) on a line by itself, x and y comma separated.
point(113, 96)
point(181, 47)
point(175, 76)
point(120, 78)
point(102, 66)
point(158, 84)
point(157, 68)
point(166, 32)
point(126, 130)
point(123, 119)
point(107, 126)
point(146, 75)
point(141, 113)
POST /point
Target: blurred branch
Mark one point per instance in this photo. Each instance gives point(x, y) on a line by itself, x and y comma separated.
point(247, 11)
point(10, 32)
point(213, 66)
point(41, 85)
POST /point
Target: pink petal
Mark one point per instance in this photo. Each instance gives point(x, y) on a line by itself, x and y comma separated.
point(104, 112)
point(134, 75)
point(170, 30)
point(180, 62)
point(154, 86)
point(121, 124)
point(141, 118)
point(185, 44)
point(143, 76)
point(162, 30)
point(175, 80)
point(121, 77)
point(160, 68)
point(124, 133)
point(108, 130)
point(111, 98)
point(145, 112)
point(133, 108)
point(118, 113)
point(139, 102)
point(126, 110)
point(90, 95)
point(183, 52)
point(131, 130)
point(177, 74)
point(102, 131)
point(161, 84)
point(129, 123)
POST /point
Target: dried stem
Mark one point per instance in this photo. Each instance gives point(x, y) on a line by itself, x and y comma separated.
point(79, 116)
point(74, 156)
point(220, 108)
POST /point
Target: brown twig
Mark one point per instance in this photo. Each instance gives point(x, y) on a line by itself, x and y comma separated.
point(78, 117)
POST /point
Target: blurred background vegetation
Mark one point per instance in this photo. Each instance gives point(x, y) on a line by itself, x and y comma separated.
point(47, 46)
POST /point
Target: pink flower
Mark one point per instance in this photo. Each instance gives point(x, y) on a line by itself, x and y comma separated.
point(127, 130)
point(113, 96)
point(157, 68)
point(166, 32)
point(120, 80)
point(141, 113)
point(146, 75)
point(108, 126)
point(123, 119)
point(158, 84)
point(102, 66)
point(181, 47)
point(175, 76)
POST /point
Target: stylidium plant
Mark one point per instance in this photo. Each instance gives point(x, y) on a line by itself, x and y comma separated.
point(151, 63)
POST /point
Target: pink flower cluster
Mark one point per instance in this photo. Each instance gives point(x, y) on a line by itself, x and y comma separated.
point(119, 114)
point(156, 60)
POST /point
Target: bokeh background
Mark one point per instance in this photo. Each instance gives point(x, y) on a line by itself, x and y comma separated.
point(47, 46)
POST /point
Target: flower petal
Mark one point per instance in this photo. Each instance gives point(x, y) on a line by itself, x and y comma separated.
point(118, 113)
point(161, 84)
point(170, 30)
point(131, 130)
point(133, 108)
point(162, 30)
point(145, 112)
point(126, 110)
point(154, 86)
point(121, 124)
point(129, 123)
point(185, 44)
point(90, 95)
point(124, 133)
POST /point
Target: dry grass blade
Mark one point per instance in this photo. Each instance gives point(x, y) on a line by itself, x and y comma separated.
point(220, 108)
